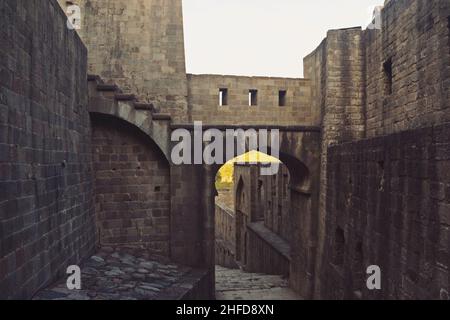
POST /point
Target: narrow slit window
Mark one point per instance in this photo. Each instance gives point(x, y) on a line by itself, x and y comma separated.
point(282, 98)
point(339, 247)
point(253, 97)
point(448, 31)
point(388, 77)
point(223, 97)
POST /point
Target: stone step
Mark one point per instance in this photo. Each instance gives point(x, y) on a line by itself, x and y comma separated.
point(94, 77)
point(125, 97)
point(108, 90)
point(144, 106)
point(107, 87)
point(114, 92)
point(162, 116)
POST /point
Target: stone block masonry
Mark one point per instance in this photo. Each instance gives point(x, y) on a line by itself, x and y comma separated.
point(46, 182)
point(371, 83)
point(382, 201)
point(225, 236)
point(262, 224)
point(140, 46)
point(336, 68)
point(294, 109)
point(388, 204)
point(408, 67)
point(132, 187)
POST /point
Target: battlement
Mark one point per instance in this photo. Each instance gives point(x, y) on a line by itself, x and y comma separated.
point(237, 100)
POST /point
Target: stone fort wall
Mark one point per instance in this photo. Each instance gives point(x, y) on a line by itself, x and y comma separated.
point(414, 44)
point(225, 236)
point(388, 205)
point(390, 86)
point(132, 187)
point(379, 84)
point(294, 109)
point(139, 45)
point(336, 68)
point(263, 220)
point(46, 182)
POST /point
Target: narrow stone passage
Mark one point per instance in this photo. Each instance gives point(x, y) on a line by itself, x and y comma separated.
point(235, 284)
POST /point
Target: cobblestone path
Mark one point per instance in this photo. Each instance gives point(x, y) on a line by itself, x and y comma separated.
point(238, 285)
point(126, 274)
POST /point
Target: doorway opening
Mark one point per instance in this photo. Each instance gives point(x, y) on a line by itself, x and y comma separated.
point(252, 229)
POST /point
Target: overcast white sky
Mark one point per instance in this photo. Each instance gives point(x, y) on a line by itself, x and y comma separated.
point(263, 37)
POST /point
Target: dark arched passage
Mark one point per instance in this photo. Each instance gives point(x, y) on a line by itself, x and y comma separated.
point(298, 190)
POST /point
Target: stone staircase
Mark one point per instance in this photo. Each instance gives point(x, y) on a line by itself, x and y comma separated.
point(112, 91)
point(108, 99)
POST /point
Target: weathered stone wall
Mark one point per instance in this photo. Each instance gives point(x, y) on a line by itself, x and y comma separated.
point(263, 200)
point(132, 187)
point(188, 227)
point(263, 219)
point(46, 182)
point(352, 84)
point(268, 253)
point(204, 101)
point(415, 38)
point(359, 84)
point(270, 197)
point(336, 68)
point(388, 204)
point(225, 239)
point(376, 82)
point(274, 202)
point(244, 189)
point(139, 45)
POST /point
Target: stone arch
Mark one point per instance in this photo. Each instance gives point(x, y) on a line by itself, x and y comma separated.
point(300, 176)
point(300, 153)
point(158, 131)
point(132, 186)
point(303, 219)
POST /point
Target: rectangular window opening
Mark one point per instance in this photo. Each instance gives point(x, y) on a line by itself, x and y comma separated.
point(253, 97)
point(282, 98)
point(223, 97)
point(388, 77)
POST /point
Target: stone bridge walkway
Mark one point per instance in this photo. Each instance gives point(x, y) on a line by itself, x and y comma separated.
point(238, 285)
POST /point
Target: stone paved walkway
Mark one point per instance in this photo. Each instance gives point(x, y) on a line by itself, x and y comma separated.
point(238, 285)
point(125, 274)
